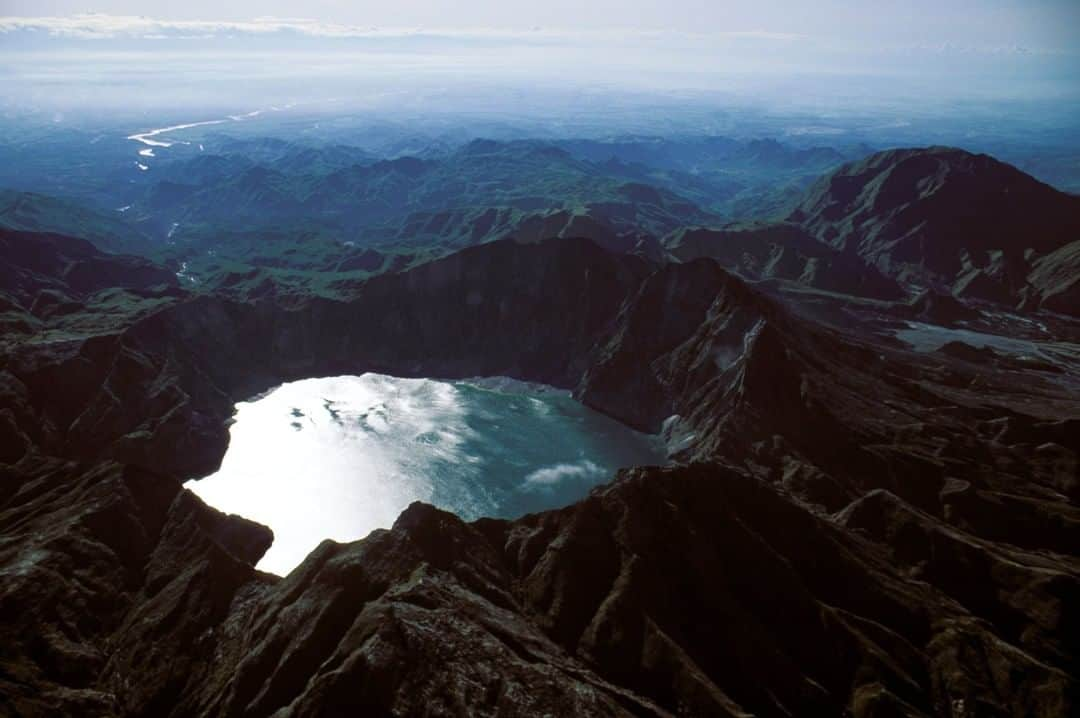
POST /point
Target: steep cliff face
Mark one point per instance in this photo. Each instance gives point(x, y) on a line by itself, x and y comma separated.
point(84, 547)
point(862, 529)
point(686, 348)
point(631, 375)
point(158, 392)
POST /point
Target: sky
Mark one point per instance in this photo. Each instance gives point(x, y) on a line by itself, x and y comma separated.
point(53, 51)
point(1038, 25)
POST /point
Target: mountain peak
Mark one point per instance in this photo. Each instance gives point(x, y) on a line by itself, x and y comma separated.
point(934, 216)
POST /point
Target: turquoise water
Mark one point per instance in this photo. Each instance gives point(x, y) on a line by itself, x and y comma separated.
point(338, 457)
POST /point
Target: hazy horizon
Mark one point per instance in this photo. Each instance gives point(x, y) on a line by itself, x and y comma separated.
point(779, 55)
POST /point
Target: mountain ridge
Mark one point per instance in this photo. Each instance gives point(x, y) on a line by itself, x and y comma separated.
point(852, 525)
point(942, 218)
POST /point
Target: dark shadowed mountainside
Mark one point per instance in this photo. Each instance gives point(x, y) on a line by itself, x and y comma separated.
point(784, 252)
point(947, 219)
point(31, 212)
point(858, 528)
point(872, 506)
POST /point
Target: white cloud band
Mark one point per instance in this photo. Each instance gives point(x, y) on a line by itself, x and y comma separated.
point(98, 26)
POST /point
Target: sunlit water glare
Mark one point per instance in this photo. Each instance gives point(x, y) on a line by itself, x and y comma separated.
point(341, 456)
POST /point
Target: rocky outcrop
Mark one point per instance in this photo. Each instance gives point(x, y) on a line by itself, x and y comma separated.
point(85, 546)
point(1054, 281)
point(692, 590)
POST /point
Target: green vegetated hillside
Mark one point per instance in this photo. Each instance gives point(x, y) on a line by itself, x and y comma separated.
point(266, 216)
point(34, 212)
point(376, 201)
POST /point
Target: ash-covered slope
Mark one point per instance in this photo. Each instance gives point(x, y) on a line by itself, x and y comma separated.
point(866, 530)
point(943, 218)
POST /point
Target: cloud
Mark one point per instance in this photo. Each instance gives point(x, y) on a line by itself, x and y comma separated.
point(551, 477)
point(95, 26)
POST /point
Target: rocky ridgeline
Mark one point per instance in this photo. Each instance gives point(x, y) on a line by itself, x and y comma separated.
point(852, 528)
point(944, 218)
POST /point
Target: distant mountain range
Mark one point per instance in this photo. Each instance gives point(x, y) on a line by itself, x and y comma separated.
point(373, 202)
point(889, 225)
